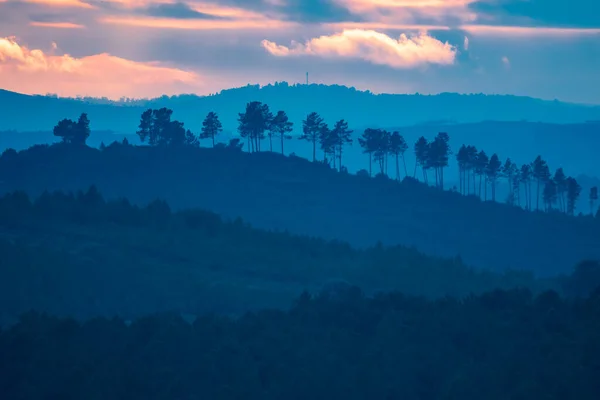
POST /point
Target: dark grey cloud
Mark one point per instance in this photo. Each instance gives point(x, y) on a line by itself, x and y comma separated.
point(175, 10)
point(563, 13)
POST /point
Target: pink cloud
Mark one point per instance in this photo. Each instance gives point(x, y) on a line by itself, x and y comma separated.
point(195, 24)
point(33, 71)
point(61, 3)
point(57, 25)
point(372, 46)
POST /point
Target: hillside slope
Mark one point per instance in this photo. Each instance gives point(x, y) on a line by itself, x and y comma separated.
point(290, 193)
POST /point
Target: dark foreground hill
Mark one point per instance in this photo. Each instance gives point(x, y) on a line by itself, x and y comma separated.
point(290, 193)
point(497, 346)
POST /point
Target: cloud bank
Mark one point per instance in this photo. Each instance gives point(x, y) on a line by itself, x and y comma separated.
point(372, 46)
point(102, 75)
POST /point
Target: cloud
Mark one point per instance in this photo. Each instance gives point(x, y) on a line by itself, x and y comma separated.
point(384, 26)
point(412, 11)
point(195, 24)
point(33, 71)
point(61, 3)
point(466, 44)
point(372, 46)
point(175, 10)
point(307, 11)
point(506, 62)
point(316, 11)
point(575, 13)
point(497, 30)
point(193, 16)
point(57, 25)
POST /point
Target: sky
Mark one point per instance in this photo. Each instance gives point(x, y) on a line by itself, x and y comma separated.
point(146, 48)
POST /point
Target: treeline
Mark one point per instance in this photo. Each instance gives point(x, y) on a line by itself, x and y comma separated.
point(478, 172)
point(499, 345)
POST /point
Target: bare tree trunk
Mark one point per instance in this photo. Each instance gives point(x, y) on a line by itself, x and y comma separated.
point(404, 162)
point(468, 182)
point(537, 202)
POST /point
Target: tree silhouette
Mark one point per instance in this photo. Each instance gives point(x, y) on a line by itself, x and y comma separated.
point(234, 144)
point(281, 126)
point(175, 134)
point(162, 125)
point(492, 172)
point(71, 132)
point(253, 123)
point(516, 186)
point(438, 154)
point(541, 173)
point(421, 154)
point(471, 167)
point(481, 165)
point(593, 198)
point(525, 178)
point(398, 147)
point(368, 142)
point(146, 128)
point(573, 192)
point(327, 142)
point(82, 131)
point(550, 194)
point(509, 170)
point(382, 149)
point(312, 130)
point(191, 139)
point(342, 136)
point(462, 161)
point(160, 130)
point(211, 127)
point(561, 188)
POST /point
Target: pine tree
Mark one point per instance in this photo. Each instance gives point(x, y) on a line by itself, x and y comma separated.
point(342, 136)
point(282, 126)
point(211, 127)
point(312, 128)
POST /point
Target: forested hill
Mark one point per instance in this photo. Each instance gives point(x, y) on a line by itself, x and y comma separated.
point(361, 109)
point(290, 193)
point(79, 255)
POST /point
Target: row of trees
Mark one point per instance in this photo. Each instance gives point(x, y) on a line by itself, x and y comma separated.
point(477, 170)
point(559, 192)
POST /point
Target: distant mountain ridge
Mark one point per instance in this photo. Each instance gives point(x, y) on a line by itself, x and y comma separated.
point(360, 108)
